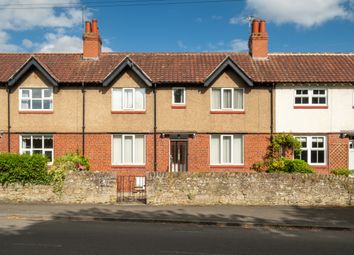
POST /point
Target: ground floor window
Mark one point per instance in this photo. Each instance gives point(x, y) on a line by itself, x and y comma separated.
point(226, 149)
point(37, 144)
point(313, 149)
point(128, 149)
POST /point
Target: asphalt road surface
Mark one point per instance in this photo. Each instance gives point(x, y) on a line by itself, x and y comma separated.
point(18, 236)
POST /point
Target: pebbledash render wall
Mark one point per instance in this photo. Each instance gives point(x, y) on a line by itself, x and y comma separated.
point(249, 189)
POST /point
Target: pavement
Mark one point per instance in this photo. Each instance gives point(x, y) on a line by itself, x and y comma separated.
point(341, 218)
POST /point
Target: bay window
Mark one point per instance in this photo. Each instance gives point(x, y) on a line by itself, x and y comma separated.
point(227, 99)
point(37, 144)
point(226, 149)
point(128, 149)
point(128, 99)
point(36, 99)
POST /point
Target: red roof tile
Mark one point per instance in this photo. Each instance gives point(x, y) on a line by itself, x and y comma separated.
point(190, 67)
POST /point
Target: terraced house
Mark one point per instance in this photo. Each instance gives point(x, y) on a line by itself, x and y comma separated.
point(140, 112)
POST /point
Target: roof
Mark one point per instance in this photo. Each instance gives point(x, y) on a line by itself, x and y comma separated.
point(193, 68)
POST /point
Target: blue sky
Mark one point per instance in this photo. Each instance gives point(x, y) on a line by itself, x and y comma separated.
point(306, 25)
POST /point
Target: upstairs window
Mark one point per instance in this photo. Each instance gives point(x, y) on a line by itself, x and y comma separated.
point(313, 149)
point(36, 99)
point(128, 99)
point(227, 99)
point(178, 96)
point(311, 97)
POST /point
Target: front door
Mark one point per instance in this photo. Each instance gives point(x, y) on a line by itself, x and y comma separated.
point(351, 154)
point(179, 156)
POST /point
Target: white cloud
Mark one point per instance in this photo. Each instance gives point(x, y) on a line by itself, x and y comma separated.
point(25, 19)
point(13, 20)
point(5, 45)
point(60, 42)
point(239, 45)
point(239, 20)
point(305, 13)
point(27, 43)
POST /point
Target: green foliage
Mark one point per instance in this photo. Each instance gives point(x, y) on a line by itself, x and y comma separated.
point(64, 165)
point(341, 171)
point(283, 142)
point(23, 169)
point(80, 162)
point(289, 166)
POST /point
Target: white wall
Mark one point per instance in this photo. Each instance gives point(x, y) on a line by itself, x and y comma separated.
point(339, 115)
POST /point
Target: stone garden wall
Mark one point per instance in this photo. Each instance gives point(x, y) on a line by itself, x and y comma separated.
point(249, 189)
point(79, 187)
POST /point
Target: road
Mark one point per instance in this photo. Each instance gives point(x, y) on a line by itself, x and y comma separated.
point(20, 236)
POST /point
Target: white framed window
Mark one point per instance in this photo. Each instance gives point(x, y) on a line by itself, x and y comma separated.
point(37, 144)
point(128, 149)
point(313, 149)
point(226, 149)
point(36, 99)
point(178, 96)
point(227, 99)
point(128, 99)
point(311, 97)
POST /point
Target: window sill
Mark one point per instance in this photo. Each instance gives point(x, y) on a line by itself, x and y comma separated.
point(228, 112)
point(178, 107)
point(128, 166)
point(310, 107)
point(128, 112)
point(35, 112)
point(227, 166)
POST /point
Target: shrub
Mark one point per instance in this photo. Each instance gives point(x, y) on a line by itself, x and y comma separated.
point(15, 168)
point(341, 171)
point(65, 164)
point(79, 161)
point(289, 166)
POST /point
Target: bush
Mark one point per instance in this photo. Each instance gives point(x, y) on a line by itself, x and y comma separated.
point(65, 164)
point(15, 168)
point(289, 166)
point(341, 171)
point(79, 161)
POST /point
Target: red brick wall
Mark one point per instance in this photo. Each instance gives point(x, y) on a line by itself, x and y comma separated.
point(3, 143)
point(67, 143)
point(199, 153)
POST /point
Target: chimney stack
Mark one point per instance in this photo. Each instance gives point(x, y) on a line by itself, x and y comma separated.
point(91, 41)
point(258, 41)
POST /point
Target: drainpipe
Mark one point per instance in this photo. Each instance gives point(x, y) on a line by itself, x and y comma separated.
point(155, 128)
point(272, 110)
point(8, 119)
point(83, 117)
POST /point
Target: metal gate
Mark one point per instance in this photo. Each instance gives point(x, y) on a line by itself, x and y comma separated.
point(131, 189)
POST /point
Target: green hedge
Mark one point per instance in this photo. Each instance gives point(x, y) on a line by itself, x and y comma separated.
point(341, 171)
point(15, 168)
point(289, 166)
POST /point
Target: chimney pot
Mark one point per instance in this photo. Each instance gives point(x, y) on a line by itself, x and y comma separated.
point(94, 26)
point(255, 26)
point(88, 27)
point(262, 26)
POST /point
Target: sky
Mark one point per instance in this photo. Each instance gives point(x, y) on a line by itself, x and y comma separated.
point(176, 25)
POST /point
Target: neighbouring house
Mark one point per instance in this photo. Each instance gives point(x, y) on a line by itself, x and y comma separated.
point(140, 112)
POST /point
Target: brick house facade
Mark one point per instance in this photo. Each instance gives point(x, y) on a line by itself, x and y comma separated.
point(139, 112)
